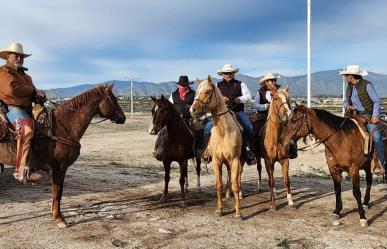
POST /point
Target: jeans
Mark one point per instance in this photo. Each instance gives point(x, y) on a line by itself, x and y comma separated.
point(379, 145)
point(243, 119)
point(15, 112)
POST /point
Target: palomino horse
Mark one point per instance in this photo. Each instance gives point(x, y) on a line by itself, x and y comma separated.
point(226, 139)
point(178, 144)
point(344, 146)
point(60, 150)
point(269, 147)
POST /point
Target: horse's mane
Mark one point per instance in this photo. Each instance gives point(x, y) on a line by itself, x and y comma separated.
point(78, 101)
point(336, 122)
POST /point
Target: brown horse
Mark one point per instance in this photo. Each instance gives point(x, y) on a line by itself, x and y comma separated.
point(69, 123)
point(269, 147)
point(178, 144)
point(226, 139)
point(344, 146)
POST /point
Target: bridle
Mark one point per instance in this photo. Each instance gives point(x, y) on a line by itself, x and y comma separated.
point(281, 122)
point(205, 104)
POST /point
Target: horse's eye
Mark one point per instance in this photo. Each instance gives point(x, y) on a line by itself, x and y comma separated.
point(207, 93)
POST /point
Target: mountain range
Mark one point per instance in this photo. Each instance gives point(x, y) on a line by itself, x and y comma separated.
point(324, 83)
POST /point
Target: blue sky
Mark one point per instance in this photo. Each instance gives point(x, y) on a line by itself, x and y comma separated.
point(75, 42)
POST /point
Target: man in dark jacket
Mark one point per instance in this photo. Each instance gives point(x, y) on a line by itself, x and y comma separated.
point(235, 94)
point(361, 97)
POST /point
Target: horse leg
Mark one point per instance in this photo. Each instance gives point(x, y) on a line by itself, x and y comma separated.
point(183, 176)
point(285, 175)
point(259, 169)
point(228, 183)
point(217, 166)
point(354, 173)
point(186, 178)
point(240, 181)
point(270, 168)
point(367, 170)
point(167, 170)
point(198, 171)
point(235, 185)
point(58, 176)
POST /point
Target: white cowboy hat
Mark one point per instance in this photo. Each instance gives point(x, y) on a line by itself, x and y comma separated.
point(16, 48)
point(228, 68)
point(268, 76)
point(354, 70)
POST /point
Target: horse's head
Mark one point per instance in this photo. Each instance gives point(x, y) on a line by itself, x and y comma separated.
point(109, 107)
point(280, 104)
point(160, 114)
point(205, 98)
point(297, 126)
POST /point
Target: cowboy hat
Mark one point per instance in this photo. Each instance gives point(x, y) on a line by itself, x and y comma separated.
point(353, 70)
point(183, 81)
point(228, 68)
point(16, 48)
point(268, 76)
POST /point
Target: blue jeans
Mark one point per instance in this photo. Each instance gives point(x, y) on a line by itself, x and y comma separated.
point(243, 119)
point(15, 112)
point(379, 145)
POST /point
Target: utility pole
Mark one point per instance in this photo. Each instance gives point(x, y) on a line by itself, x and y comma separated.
point(131, 93)
point(309, 52)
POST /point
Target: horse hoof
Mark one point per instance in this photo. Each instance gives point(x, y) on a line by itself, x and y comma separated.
point(61, 224)
point(186, 190)
point(336, 216)
point(183, 204)
point(239, 217)
point(163, 199)
point(336, 223)
point(363, 223)
point(240, 195)
point(292, 206)
point(273, 208)
point(218, 213)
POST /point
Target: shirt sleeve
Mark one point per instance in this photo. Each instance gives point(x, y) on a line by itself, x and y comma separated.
point(171, 99)
point(257, 105)
point(246, 95)
point(375, 99)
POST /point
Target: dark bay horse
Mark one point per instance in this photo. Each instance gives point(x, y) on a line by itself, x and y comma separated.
point(344, 146)
point(69, 123)
point(178, 144)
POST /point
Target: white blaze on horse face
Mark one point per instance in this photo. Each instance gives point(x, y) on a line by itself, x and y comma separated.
point(197, 94)
point(150, 125)
point(284, 103)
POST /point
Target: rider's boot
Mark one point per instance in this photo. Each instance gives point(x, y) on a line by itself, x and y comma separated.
point(206, 156)
point(248, 147)
point(293, 149)
point(25, 131)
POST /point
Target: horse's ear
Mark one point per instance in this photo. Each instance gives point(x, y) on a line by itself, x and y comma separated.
point(162, 97)
point(112, 85)
point(286, 88)
point(272, 88)
point(209, 79)
point(198, 80)
point(153, 99)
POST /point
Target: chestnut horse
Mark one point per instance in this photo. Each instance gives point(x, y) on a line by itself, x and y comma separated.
point(269, 147)
point(344, 146)
point(178, 144)
point(60, 150)
point(226, 139)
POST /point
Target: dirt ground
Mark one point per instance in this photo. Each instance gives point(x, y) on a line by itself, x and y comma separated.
point(111, 199)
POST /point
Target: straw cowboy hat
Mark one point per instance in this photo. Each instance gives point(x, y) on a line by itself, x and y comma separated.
point(228, 68)
point(16, 48)
point(354, 70)
point(183, 81)
point(268, 76)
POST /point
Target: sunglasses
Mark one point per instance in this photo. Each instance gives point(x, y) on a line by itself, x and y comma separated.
point(228, 73)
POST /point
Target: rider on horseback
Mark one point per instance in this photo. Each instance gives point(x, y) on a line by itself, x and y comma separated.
point(235, 94)
point(262, 104)
point(361, 97)
point(17, 92)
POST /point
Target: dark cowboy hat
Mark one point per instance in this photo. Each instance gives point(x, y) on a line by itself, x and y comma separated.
point(183, 81)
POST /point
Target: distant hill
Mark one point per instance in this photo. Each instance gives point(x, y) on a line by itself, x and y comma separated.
point(324, 83)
